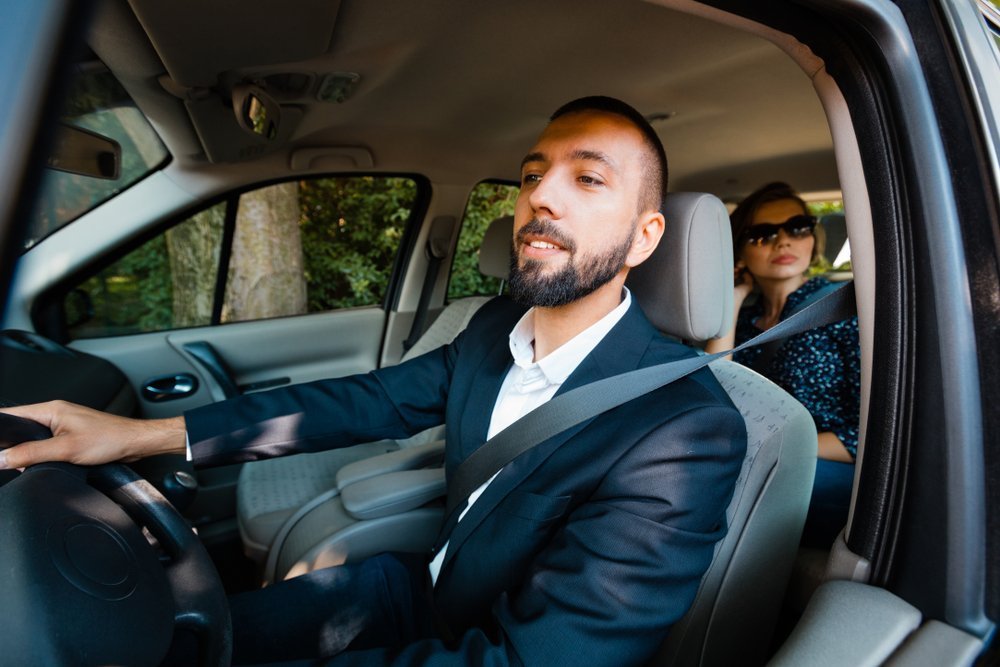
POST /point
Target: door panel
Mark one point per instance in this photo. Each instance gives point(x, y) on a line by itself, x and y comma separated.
point(264, 353)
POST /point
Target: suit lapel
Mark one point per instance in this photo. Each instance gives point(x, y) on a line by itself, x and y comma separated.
point(620, 351)
point(485, 386)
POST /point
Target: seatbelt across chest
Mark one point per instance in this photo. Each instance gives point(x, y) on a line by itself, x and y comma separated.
point(580, 404)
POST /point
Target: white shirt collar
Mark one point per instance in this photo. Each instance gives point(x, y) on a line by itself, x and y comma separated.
point(558, 364)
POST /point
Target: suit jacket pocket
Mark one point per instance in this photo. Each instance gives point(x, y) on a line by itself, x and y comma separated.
point(535, 507)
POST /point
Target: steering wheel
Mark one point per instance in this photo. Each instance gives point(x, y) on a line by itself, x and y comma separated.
point(81, 579)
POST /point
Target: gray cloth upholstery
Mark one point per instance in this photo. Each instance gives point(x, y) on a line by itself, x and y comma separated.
point(737, 605)
point(686, 290)
point(496, 248)
point(686, 285)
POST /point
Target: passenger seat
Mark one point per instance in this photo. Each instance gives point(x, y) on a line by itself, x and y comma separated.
point(269, 492)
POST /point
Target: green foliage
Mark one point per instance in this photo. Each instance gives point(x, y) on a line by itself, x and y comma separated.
point(487, 202)
point(133, 295)
point(822, 264)
point(351, 230)
point(821, 208)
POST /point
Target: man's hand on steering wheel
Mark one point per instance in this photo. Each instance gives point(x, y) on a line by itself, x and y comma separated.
point(89, 437)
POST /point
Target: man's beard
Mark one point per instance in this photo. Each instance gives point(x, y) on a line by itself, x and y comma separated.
point(529, 286)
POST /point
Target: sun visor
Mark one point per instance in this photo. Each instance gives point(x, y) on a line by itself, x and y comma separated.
point(189, 35)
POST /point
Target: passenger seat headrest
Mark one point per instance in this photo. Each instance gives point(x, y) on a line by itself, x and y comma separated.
point(494, 253)
point(686, 286)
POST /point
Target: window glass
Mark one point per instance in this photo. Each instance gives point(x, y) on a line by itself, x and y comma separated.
point(297, 247)
point(166, 283)
point(351, 231)
point(831, 233)
point(487, 202)
point(96, 102)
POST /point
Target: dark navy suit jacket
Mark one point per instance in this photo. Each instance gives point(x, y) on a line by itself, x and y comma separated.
point(586, 548)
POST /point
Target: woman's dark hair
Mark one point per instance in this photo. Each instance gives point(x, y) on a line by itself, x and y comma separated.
point(741, 219)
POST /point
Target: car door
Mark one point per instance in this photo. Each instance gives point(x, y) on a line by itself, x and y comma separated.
point(914, 578)
point(264, 286)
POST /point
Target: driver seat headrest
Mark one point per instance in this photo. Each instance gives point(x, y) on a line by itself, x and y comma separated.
point(686, 286)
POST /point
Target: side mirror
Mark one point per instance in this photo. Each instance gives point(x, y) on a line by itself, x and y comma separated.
point(80, 151)
point(256, 111)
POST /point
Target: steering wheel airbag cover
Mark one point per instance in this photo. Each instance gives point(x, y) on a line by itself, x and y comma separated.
point(87, 587)
point(93, 557)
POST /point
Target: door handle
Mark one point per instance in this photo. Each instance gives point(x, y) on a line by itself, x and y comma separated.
point(169, 387)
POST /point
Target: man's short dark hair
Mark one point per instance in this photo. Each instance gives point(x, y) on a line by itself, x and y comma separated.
point(655, 186)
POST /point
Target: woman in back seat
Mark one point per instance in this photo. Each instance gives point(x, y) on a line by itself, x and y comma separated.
point(774, 244)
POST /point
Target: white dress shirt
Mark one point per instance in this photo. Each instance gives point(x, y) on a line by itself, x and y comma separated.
point(531, 383)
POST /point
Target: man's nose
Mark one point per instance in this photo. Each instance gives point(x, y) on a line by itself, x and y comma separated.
point(545, 197)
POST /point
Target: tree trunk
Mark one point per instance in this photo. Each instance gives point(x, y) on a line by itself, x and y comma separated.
point(193, 248)
point(266, 275)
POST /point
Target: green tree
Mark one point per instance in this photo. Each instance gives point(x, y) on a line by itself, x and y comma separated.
point(351, 230)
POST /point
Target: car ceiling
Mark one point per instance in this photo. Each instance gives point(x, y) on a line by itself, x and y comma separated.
point(458, 90)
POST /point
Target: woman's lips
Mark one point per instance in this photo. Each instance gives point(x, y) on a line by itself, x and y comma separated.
point(784, 259)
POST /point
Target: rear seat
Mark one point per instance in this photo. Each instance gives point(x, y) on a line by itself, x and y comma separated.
point(269, 492)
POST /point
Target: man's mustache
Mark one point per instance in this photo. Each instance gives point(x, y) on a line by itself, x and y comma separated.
point(536, 227)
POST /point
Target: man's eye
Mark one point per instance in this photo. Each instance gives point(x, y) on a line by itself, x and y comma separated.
point(529, 179)
point(590, 180)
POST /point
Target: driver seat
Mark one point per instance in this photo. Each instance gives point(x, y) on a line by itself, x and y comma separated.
point(686, 290)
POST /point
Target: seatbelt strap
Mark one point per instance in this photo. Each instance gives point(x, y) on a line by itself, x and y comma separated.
point(762, 361)
point(437, 250)
point(578, 405)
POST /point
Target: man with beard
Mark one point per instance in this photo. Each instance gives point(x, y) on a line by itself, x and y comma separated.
point(584, 549)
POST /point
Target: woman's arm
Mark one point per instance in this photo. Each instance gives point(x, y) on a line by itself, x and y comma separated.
point(832, 449)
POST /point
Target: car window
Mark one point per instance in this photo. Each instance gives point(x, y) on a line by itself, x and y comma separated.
point(297, 247)
point(487, 202)
point(832, 231)
point(96, 102)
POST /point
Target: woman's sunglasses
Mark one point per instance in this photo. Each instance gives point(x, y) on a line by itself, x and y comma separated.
point(765, 233)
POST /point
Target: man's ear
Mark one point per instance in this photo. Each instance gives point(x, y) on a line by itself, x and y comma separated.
point(648, 233)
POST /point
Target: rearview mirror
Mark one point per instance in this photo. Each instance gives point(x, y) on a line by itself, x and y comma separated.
point(256, 111)
point(80, 151)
